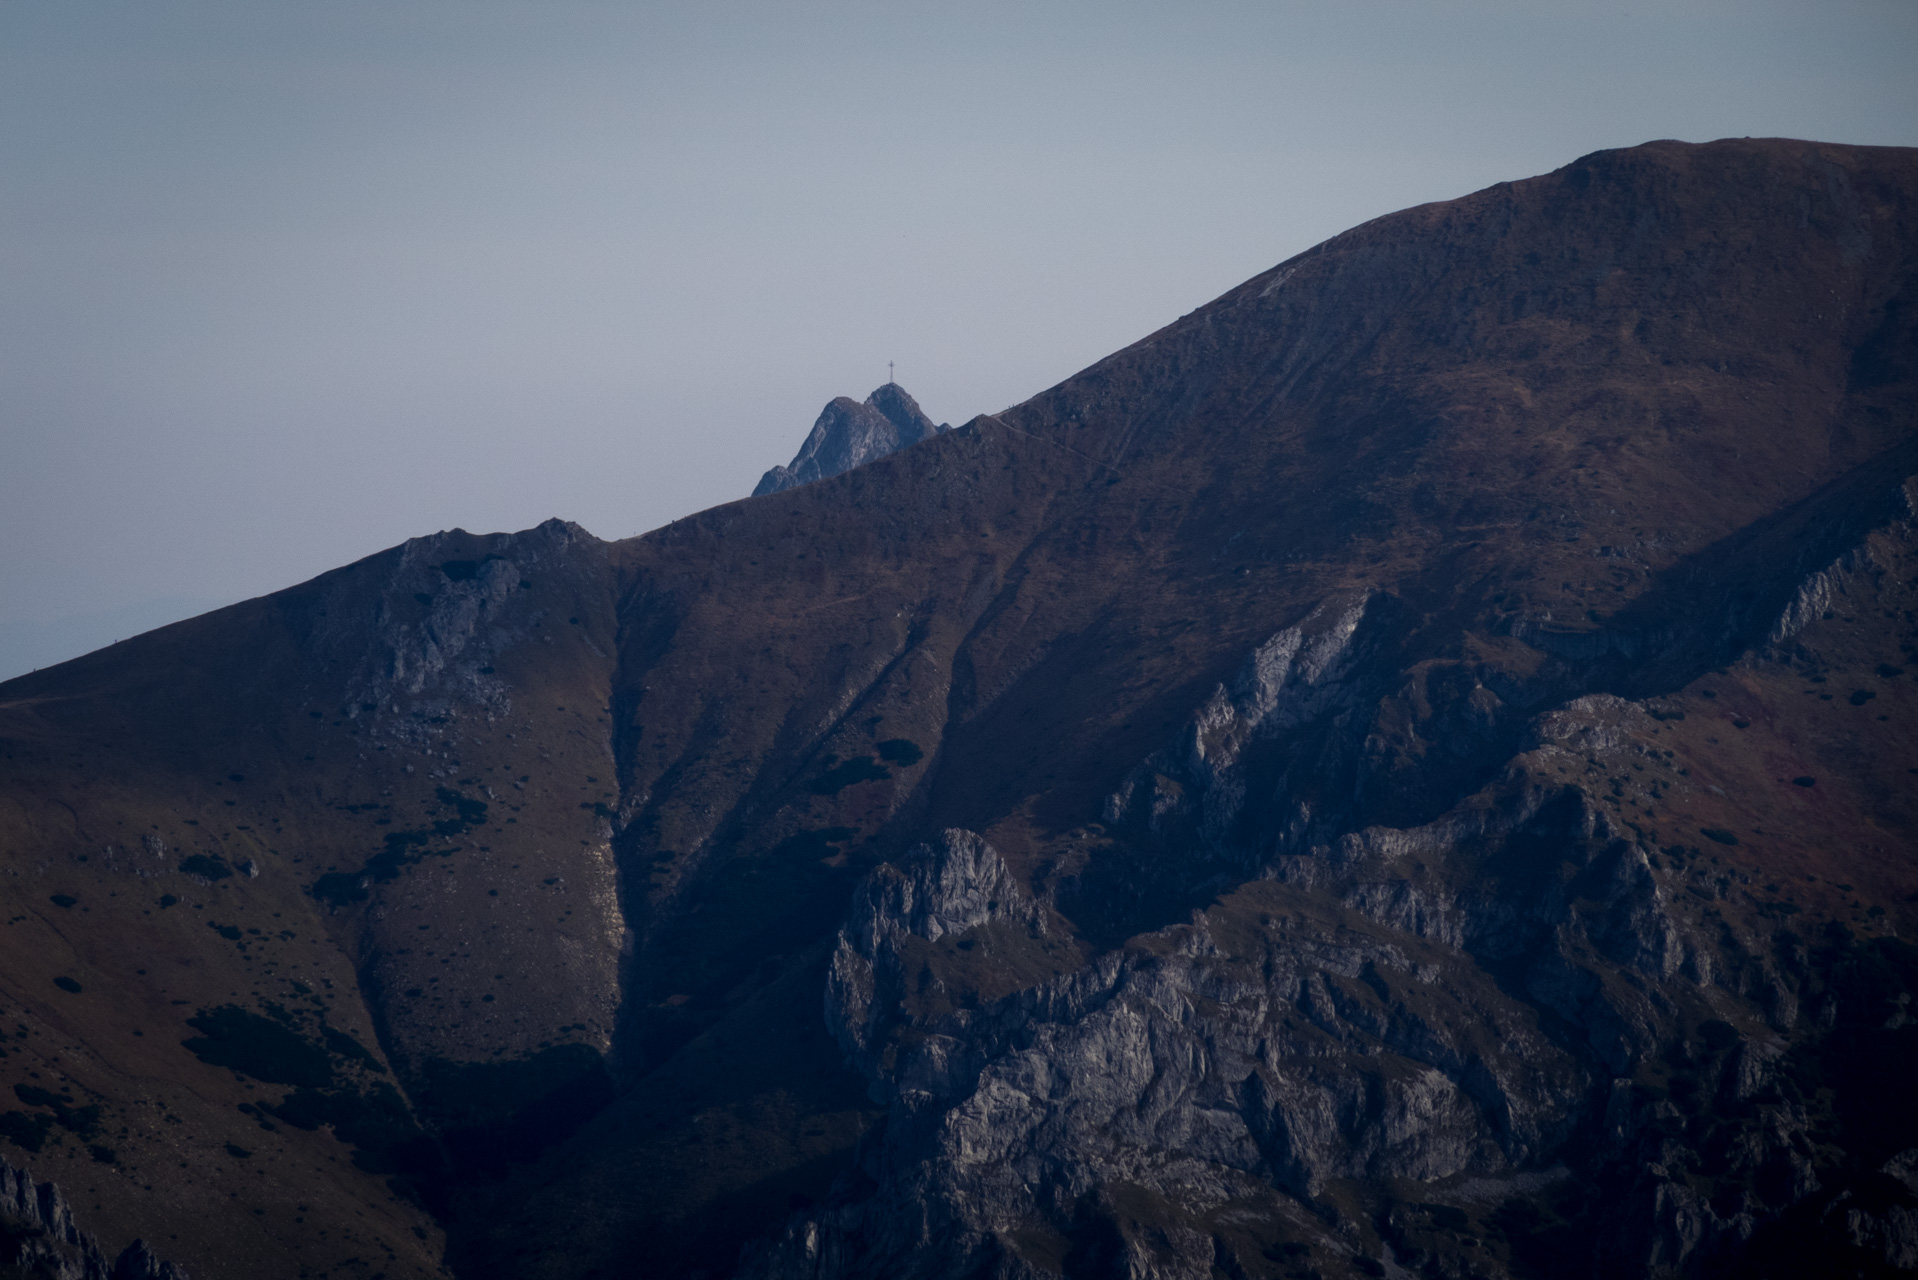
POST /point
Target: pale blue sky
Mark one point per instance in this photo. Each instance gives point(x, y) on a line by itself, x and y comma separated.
point(283, 284)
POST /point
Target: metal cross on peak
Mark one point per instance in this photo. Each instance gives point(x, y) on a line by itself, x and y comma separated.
point(888, 373)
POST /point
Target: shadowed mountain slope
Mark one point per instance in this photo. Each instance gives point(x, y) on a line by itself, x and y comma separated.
point(1410, 765)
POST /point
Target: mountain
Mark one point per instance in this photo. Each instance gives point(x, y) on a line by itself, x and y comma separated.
point(848, 434)
point(1407, 769)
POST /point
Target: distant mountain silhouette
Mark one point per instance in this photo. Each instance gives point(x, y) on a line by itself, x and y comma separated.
point(849, 434)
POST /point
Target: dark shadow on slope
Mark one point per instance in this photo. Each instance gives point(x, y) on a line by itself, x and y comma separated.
point(1723, 600)
point(756, 1117)
point(755, 911)
point(467, 1122)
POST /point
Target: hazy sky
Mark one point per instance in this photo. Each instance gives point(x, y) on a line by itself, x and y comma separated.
point(282, 284)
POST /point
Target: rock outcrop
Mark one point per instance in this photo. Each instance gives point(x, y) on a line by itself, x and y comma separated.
point(849, 434)
point(39, 1239)
point(1476, 1007)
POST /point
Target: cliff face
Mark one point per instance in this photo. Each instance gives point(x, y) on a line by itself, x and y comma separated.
point(38, 1238)
point(1407, 770)
point(1526, 1037)
point(849, 434)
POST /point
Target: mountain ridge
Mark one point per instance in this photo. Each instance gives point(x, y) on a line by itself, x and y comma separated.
point(1410, 595)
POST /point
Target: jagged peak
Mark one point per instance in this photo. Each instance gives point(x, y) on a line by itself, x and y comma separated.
point(849, 433)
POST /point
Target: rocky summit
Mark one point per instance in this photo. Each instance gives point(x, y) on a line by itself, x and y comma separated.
point(1409, 770)
point(849, 434)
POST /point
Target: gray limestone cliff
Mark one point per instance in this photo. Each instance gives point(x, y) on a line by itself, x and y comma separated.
point(1526, 998)
point(39, 1238)
point(849, 434)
